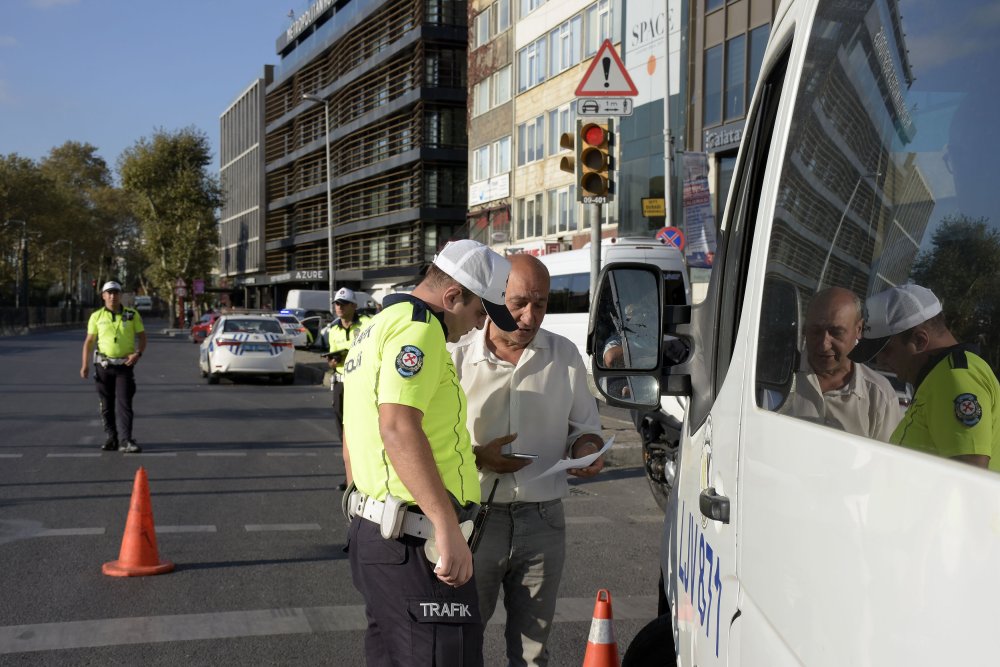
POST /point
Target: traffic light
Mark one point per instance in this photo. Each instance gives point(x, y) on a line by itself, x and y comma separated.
point(569, 163)
point(594, 175)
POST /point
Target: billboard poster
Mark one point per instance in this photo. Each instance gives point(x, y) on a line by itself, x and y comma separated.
point(699, 221)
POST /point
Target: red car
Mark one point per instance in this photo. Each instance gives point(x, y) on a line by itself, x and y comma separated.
point(200, 330)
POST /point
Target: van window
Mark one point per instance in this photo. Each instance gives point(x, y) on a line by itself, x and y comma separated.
point(889, 177)
point(570, 293)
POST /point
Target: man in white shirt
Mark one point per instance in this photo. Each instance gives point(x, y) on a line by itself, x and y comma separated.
point(831, 389)
point(530, 385)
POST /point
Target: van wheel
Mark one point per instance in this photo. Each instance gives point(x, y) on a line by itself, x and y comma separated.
point(652, 646)
point(212, 378)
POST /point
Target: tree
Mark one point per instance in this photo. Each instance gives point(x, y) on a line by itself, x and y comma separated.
point(963, 270)
point(175, 200)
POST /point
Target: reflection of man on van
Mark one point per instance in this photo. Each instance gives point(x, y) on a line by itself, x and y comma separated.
point(956, 405)
point(831, 389)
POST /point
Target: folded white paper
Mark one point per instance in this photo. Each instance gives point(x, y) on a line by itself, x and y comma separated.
point(583, 462)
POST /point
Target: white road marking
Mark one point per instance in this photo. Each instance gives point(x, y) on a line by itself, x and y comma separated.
point(222, 453)
point(261, 527)
point(254, 623)
point(154, 454)
point(65, 532)
point(75, 455)
point(186, 529)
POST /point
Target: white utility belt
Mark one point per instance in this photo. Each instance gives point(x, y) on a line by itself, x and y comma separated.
point(413, 523)
point(111, 361)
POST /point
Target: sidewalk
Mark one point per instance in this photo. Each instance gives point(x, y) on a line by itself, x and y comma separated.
point(625, 453)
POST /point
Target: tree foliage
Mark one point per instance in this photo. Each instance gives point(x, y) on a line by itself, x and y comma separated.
point(963, 269)
point(175, 200)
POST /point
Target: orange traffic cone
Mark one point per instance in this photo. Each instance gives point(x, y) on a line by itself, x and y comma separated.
point(602, 649)
point(139, 556)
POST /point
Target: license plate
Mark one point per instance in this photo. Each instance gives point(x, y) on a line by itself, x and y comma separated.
point(256, 347)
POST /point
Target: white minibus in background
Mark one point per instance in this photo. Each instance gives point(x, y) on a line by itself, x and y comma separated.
point(569, 294)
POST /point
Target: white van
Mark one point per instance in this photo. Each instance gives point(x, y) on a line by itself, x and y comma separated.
point(569, 293)
point(865, 163)
point(143, 304)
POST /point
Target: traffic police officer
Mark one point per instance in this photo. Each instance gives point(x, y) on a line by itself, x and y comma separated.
point(956, 406)
point(413, 463)
point(342, 333)
point(116, 330)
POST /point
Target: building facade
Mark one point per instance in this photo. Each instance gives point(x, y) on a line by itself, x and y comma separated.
point(392, 76)
point(241, 173)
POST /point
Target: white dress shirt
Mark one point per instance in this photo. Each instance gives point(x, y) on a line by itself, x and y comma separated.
point(544, 399)
point(867, 405)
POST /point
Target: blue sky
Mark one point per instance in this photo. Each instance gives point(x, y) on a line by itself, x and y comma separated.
point(109, 72)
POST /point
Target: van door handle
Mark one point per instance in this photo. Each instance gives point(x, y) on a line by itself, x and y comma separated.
point(714, 506)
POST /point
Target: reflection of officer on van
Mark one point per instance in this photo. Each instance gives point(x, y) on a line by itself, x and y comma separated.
point(413, 465)
point(116, 330)
point(956, 405)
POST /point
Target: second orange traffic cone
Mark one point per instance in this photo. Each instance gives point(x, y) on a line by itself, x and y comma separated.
point(138, 556)
point(602, 649)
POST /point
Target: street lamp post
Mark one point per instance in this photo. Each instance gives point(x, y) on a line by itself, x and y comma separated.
point(329, 193)
point(21, 291)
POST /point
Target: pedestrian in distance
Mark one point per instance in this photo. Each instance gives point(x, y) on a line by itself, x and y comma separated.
point(121, 339)
point(831, 389)
point(412, 463)
point(341, 335)
point(528, 396)
point(955, 411)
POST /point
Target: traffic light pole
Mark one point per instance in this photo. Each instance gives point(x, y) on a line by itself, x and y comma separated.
point(594, 211)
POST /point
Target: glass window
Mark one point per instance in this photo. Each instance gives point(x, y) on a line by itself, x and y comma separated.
point(522, 144)
point(481, 95)
point(883, 183)
point(531, 63)
point(736, 59)
point(483, 27)
point(523, 72)
point(540, 137)
point(713, 86)
point(501, 14)
point(591, 42)
point(501, 156)
point(758, 42)
point(712, 5)
point(481, 164)
point(501, 86)
point(604, 19)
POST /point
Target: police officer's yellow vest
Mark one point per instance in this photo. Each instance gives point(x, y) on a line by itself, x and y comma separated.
point(115, 331)
point(341, 339)
point(400, 357)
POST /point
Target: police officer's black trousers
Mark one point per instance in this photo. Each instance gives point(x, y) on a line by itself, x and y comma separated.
point(337, 392)
point(116, 387)
point(413, 618)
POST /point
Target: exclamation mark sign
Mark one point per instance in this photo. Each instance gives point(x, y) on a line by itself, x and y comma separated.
point(606, 63)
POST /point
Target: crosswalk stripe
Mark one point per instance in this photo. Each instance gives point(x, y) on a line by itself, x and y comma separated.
point(186, 529)
point(261, 527)
point(68, 532)
point(253, 623)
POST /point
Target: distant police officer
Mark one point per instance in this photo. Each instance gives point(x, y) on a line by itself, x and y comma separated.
point(405, 426)
point(956, 406)
point(342, 333)
point(117, 331)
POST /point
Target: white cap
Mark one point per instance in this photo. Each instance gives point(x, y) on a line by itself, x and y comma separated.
point(345, 294)
point(891, 312)
point(111, 285)
point(481, 271)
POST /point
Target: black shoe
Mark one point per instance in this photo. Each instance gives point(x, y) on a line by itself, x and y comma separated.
point(129, 447)
point(110, 445)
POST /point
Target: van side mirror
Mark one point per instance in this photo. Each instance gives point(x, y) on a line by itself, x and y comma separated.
point(625, 337)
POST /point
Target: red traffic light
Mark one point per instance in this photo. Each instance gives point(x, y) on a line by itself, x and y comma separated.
point(593, 134)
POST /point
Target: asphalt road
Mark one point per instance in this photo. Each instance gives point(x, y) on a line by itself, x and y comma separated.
point(244, 492)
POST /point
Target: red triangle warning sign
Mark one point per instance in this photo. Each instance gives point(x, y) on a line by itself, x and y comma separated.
point(606, 76)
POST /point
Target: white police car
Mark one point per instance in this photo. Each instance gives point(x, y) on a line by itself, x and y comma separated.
point(292, 326)
point(243, 344)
